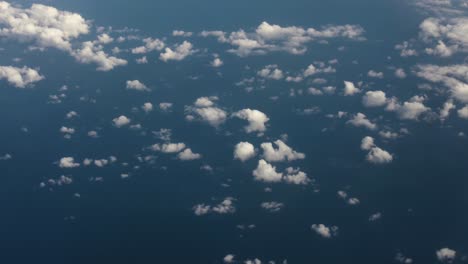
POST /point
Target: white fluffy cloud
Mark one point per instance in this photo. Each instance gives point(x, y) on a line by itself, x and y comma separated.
point(68, 162)
point(350, 89)
point(136, 85)
point(150, 45)
point(204, 108)
point(374, 99)
point(282, 153)
point(188, 154)
point(375, 154)
point(168, 147)
point(360, 120)
point(325, 231)
point(244, 151)
point(269, 37)
point(445, 36)
point(446, 255)
point(272, 207)
point(89, 52)
point(224, 207)
point(271, 72)
point(20, 77)
point(121, 121)
point(255, 118)
point(463, 112)
point(266, 172)
point(180, 52)
point(147, 107)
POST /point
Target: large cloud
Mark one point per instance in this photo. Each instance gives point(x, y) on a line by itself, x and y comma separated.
point(20, 77)
point(244, 151)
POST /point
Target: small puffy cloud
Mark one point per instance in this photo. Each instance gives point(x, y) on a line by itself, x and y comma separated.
point(147, 107)
point(411, 110)
point(20, 77)
point(445, 37)
point(150, 45)
point(213, 115)
point(463, 112)
point(374, 99)
point(446, 255)
point(446, 108)
point(295, 176)
point(266, 172)
point(350, 89)
point(375, 154)
point(136, 85)
point(68, 162)
point(181, 33)
point(105, 39)
point(229, 258)
point(374, 74)
point(179, 53)
point(187, 154)
point(205, 101)
point(168, 147)
point(165, 106)
point(255, 118)
point(216, 62)
point(271, 72)
point(400, 73)
point(325, 231)
point(90, 53)
point(272, 207)
point(282, 153)
point(6, 157)
point(224, 207)
point(360, 120)
point(244, 151)
point(375, 217)
point(121, 121)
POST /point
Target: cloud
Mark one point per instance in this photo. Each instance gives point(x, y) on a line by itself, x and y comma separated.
point(224, 207)
point(446, 108)
point(282, 153)
point(181, 33)
point(255, 118)
point(400, 73)
point(374, 74)
point(147, 107)
point(187, 154)
point(266, 172)
point(446, 36)
point(360, 120)
point(374, 99)
point(463, 112)
point(446, 255)
point(68, 162)
point(216, 62)
point(168, 147)
point(411, 110)
point(272, 207)
point(44, 25)
point(229, 258)
point(204, 108)
point(90, 53)
point(20, 77)
point(350, 89)
point(165, 106)
point(136, 85)
point(375, 154)
point(121, 121)
point(150, 45)
point(271, 72)
point(295, 176)
point(325, 231)
point(270, 37)
point(179, 53)
point(244, 151)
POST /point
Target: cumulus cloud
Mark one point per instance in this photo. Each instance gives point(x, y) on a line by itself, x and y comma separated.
point(147, 107)
point(179, 53)
point(224, 207)
point(266, 172)
point(168, 147)
point(270, 37)
point(350, 89)
point(282, 153)
point(91, 53)
point(446, 255)
point(244, 151)
point(20, 77)
point(463, 112)
point(272, 207)
point(68, 162)
point(375, 74)
point(271, 72)
point(374, 99)
point(136, 85)
point(445, 36)
point(375, 154)
point(150, 45)
point(255, 118)
point(325, 231)
point(187, 154)
point(121, 121)
point(360, 120)
point(295, 176)
point(204, 108)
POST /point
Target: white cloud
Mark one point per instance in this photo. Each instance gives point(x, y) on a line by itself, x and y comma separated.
point(463, 112)
point(147, 107)
point(271, 72)
point(165, 106)
point(244, 151)
point(445, 111)
point(400, 73)
point(374, 99)
point(229, 258)
point(282, 153)
point(105, 39)
point(150, 45)
point(20, 77)
point(375, 154)
point(350, 89)
point(325, 231)
point(216, 62)
point(266, 172)
point(181, 33)
point(68, 162)
point(90, 53)
point(255, 118)
point(411, 110)
point(375, 74)
point(187, 154)
point(360, 120)
point(446, 255)
point(269, 37)
point(213, 115)
point(272, 207)
point(224, 207)
point(449, 36)
point(121, 121)
point(295, 176)
point(180, 52)
point(136, 85)
point(168, 147)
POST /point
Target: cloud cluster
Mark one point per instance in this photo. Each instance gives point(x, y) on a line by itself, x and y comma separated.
point(224, 207)
point(255, 118)
point(375, 154)
point(20, 77)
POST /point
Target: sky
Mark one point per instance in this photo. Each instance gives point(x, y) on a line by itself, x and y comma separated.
point(253, 132)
